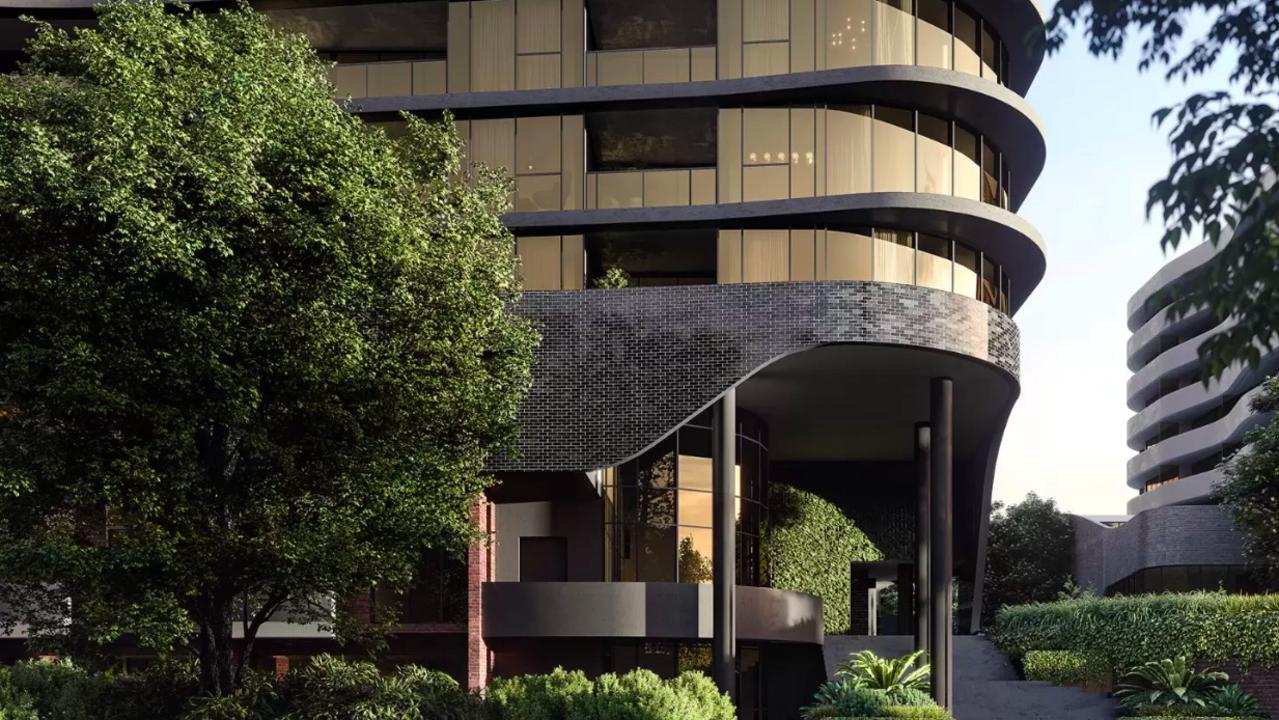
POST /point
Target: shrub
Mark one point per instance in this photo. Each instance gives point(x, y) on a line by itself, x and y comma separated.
point(1061, 667)
point(58, 689)
point(711, 704)
point(1170, 682)
point(848, 699)
point(536, 697)
point(1233, 701)
point(257, 698)
point(642, 695)
point(14, 704)
point(330, 688)
point(161, 691)
point(807, 548)
point(869, 670)
point(1123, 632)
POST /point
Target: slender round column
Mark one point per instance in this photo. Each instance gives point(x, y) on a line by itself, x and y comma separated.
point(940, 567)
point(923, 533)
point(724, 575)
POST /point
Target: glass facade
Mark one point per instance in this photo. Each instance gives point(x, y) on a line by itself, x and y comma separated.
point(781, 153)
point(658, 508)
point(496, 45)
point(1184, 578)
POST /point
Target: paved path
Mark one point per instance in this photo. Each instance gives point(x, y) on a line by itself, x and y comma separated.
point(986, 685)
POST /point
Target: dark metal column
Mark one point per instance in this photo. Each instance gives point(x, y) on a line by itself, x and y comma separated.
point(941, 570)
point(923, 534)
point(905, 599)
point(724, 562)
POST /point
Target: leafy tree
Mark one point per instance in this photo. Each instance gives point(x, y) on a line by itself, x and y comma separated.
point(1029, 555)
point(1250, 490)
point(254, 352)
point(1226, 151)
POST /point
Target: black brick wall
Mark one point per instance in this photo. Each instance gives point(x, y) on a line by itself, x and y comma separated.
point(619, 369)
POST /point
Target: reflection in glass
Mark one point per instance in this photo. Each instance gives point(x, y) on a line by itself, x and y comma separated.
point(895, 256)
point(766, 136)
point(989, 174)
point(848, 150)
point(850, 32)
point(989, 282)
point(990, 53)
point(933, 265)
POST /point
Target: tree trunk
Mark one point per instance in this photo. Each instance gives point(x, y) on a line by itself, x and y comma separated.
point(215, 650)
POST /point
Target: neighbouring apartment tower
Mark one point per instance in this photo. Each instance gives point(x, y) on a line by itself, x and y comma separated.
point(1176, 537)
point(815, 203)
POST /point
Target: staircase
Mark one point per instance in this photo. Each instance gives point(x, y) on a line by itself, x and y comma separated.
point(986, 685)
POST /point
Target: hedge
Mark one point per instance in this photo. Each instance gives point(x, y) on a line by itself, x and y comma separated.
point(1122, 632)
point(1062, 667)
point(807, 547)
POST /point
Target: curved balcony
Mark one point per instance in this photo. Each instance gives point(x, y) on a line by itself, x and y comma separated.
point(638, 610)
point(1191, 490)
point(1195, 444)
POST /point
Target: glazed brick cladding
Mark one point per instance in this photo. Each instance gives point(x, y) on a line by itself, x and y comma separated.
point(619, 369)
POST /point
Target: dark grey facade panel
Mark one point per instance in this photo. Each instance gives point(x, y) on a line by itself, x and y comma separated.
point(619, 369)
point(1167, 536)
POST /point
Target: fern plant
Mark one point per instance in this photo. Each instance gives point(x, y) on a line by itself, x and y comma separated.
point(1169, 682)
point(1231, 700)
point(869, 670)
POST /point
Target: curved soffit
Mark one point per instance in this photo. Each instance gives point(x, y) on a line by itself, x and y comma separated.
point(1166, 276)
point(617, 370)
point(989, 108)
point(1195, 398)
point(1007, 237)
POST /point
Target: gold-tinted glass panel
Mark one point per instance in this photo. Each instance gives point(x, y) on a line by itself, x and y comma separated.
point(730, 156)
point(729, 260)
point(573, 162)
point(766, 136)
point(537, 192)
point(537, 145)
point(848, 151)
point(894, 32)
point(694, 506)
point(537, 26)
point(702, 64)
point(702, 184)
point(765, 182)
point(537, 72)
point(761, 59)
point(803, 35)
point(803, 260)
point(803, 152)
point(934, 155)
point(493, 38)
point(966, 59)
point(765, 20)
point(932, 263)
point(765, 256)
point(572, 262)
point(620, 189)
point(990, 174)
point(989, 55)
point(459, 47)
point(573, 41)
point(728, 23)
point(850, 33)
point(967, 165)
point(848, 256)
point(619, 68)
point(493, 143)
point(539, 262)
point(350, 80)
point(390, 79)
point(895, 256)
point(965, 271)
point(694, 474)
point(934, 39)
point(665, 188)
point(894, 150)
point(666, 66)
point(430, 77)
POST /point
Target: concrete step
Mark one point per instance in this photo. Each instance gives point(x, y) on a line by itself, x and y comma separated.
point(986, 684)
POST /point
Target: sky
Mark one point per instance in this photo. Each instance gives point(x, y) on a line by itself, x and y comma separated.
point(1066, 437)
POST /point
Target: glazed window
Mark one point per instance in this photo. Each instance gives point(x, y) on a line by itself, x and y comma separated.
point(659, 508)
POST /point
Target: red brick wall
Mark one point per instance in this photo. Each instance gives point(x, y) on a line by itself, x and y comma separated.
point(478, 571)
point(1264, 685)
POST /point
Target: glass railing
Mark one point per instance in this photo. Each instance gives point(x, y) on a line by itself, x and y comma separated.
point(650, 66)
point(396, 78)
point(650, 188)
